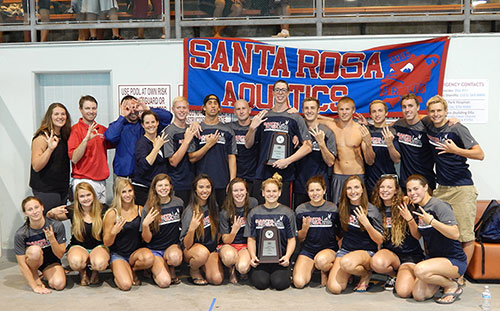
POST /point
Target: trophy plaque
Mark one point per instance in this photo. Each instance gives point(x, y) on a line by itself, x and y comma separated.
point(269, 246)
point(279, 147)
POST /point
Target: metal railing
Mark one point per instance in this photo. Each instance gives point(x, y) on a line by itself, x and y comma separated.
point(315, 12)
point(32, 23)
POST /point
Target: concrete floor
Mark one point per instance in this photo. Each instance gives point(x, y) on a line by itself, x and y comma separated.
point(16, 295)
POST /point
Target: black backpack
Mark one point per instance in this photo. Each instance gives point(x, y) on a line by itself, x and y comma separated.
point(487, 229)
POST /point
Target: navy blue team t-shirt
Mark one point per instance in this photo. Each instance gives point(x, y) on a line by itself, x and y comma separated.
point(283, 122)
point(383, 163)
point(170, 225)
point(215, 162)
point(416, 153)
point(357, 239)
point(183, 174)
point(313, 163)
point(436, 243)
point(324, 227)
point(246, 161)
point(410, 245)
point(226, 224)
point(451, 169)
point(281, 217)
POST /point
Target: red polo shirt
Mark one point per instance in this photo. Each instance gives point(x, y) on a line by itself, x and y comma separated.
point(94, 162)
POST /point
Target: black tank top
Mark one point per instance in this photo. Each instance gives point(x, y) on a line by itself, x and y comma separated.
point(89, 242)
point(54, 177)
point(129, 239)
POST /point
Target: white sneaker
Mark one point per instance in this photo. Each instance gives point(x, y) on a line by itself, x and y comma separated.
point(284, 33)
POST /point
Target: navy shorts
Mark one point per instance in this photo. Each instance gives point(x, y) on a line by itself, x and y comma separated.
point(342, 252)
point(460, 264)
point(311, 254)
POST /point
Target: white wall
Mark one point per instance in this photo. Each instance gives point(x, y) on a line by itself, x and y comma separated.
point(469, 56)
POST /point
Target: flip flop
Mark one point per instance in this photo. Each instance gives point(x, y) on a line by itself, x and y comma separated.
point(454, 296)
point(199, 281)
point(361, 288)
point(175, 281)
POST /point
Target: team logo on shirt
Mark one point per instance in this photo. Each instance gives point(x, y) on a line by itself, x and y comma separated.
point(407, 139)
point(388, 222)
point(436, 141)
point(321, 222)
point(240, 139)
point(270, 222)
point(171, 217)
point(422, 225)
point(43, 243)
point(276, 126)
point(206, 222)
point(353, 221)
point(244, 221)
point(222, 138)
point(378, 142)
point(315, 146)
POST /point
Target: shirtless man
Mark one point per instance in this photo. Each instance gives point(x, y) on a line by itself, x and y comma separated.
point(353, 143)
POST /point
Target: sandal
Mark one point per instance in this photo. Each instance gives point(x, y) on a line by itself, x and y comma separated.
point(361, 288)
point(454, 296)
point(175, 281)
point(199, 281)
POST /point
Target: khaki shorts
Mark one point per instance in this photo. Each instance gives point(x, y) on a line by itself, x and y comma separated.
point(463, 201)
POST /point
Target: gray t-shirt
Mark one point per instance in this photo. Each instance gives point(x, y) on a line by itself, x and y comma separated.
point(183, 174)
point(26, 237)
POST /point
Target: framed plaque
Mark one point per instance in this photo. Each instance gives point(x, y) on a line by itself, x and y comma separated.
point(269, 246)
point(279, 147)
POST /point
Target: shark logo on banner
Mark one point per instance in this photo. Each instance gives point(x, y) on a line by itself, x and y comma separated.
point(239, 68)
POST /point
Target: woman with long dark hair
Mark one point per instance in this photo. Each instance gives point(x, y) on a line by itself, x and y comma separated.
point(400, 251)
point(234, 252)
point(50, 164)
point(362, 228)
point(161, 220)
point(445, 260)
point(200, 233)
point(40, 244)
point(149, 159)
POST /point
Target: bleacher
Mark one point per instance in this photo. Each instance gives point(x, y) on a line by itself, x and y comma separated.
point(189, 13)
